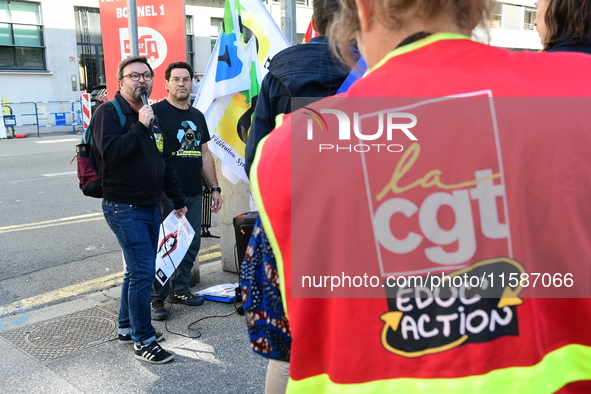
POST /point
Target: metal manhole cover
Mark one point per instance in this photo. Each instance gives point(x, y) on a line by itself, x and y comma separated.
point(56, 337)
point(74, 331)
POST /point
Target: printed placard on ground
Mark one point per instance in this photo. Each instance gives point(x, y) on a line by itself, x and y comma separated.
point(173, 242)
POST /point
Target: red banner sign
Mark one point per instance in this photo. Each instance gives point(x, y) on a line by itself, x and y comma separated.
point(161, 32)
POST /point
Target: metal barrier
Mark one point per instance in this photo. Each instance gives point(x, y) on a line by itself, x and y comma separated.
point(21, 114)
point(9, 120)
point(58, 112)
point(44, 114)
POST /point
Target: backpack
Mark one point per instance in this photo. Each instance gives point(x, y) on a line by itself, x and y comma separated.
point(88, 180)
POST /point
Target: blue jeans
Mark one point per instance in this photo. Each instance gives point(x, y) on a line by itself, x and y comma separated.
point(136, 229)
point(179, 281)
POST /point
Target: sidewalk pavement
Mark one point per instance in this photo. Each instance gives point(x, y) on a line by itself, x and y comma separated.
point(71, 347)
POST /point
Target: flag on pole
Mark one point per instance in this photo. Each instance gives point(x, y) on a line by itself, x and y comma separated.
point(249, 39)
point(310, 33)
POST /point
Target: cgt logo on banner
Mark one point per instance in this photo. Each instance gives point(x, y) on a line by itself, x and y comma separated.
point(430, 209)
point(429, 213)
point(345, 126)
point(435, 214)
point(481, 189)
point(158, 38)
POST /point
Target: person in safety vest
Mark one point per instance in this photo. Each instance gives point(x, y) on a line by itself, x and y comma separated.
point(431, 225)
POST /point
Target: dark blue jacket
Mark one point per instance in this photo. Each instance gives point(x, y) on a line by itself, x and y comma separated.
point(569, 46)
point(307, 70)
point(136, 172)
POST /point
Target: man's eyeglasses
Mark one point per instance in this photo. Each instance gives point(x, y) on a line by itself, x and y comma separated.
point(135, 77)
point(177, 80)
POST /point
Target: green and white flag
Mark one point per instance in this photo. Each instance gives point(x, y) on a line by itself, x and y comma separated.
point(249, 39)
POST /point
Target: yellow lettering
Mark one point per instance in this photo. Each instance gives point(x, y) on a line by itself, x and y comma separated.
point(432, 178)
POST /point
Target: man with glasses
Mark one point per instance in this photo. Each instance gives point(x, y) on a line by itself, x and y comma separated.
point(134, 171)
point(186, 134)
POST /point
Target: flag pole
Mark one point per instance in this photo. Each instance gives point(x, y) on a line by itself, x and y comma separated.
point(288, 20)
point(132, 21)
point(133, 51)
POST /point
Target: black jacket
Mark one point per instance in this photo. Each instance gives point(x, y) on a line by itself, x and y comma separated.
point(136, 172)
point(308, 70)
point(569, 46)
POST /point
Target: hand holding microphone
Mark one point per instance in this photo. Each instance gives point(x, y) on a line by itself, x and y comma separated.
point(145, 113)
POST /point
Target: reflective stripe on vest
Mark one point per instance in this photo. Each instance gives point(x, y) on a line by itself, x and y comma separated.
point(557, 368)
point(567, 364)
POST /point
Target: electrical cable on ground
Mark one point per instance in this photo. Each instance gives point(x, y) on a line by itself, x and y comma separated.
point(237, 310)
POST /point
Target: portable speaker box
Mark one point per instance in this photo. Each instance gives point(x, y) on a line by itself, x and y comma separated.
point(243, 225)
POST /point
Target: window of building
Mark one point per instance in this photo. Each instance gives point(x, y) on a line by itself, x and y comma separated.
point(494, 17)
point(530, 17)
point(190, 44)
point(216, 28)
point(511, 16)
point(91, 59)
point(21, 36)
point(305, 3)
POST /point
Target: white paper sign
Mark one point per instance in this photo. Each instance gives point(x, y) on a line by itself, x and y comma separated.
point(174, 241)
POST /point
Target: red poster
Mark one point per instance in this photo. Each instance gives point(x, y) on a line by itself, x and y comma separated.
point(161, 38)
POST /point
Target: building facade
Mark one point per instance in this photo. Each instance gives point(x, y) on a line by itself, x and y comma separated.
point(52, 49)
point(511, 25)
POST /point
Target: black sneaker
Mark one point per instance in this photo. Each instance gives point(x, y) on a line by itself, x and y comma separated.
point(125, 339)
point(152, 353)
point(188, 299)
point(157, 310)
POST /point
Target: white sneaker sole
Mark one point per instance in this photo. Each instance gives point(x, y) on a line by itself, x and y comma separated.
point(169, 358)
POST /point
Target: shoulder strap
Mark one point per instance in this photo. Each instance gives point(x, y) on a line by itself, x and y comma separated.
point(122, 117)
point(87, 138)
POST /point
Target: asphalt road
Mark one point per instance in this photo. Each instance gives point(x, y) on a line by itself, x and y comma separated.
point(54, 241)
point(57, 254)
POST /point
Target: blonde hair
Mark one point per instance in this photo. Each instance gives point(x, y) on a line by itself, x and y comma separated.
point(395, 14)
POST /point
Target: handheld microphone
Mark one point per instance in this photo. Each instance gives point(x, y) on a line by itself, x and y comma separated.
point(144, 95)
